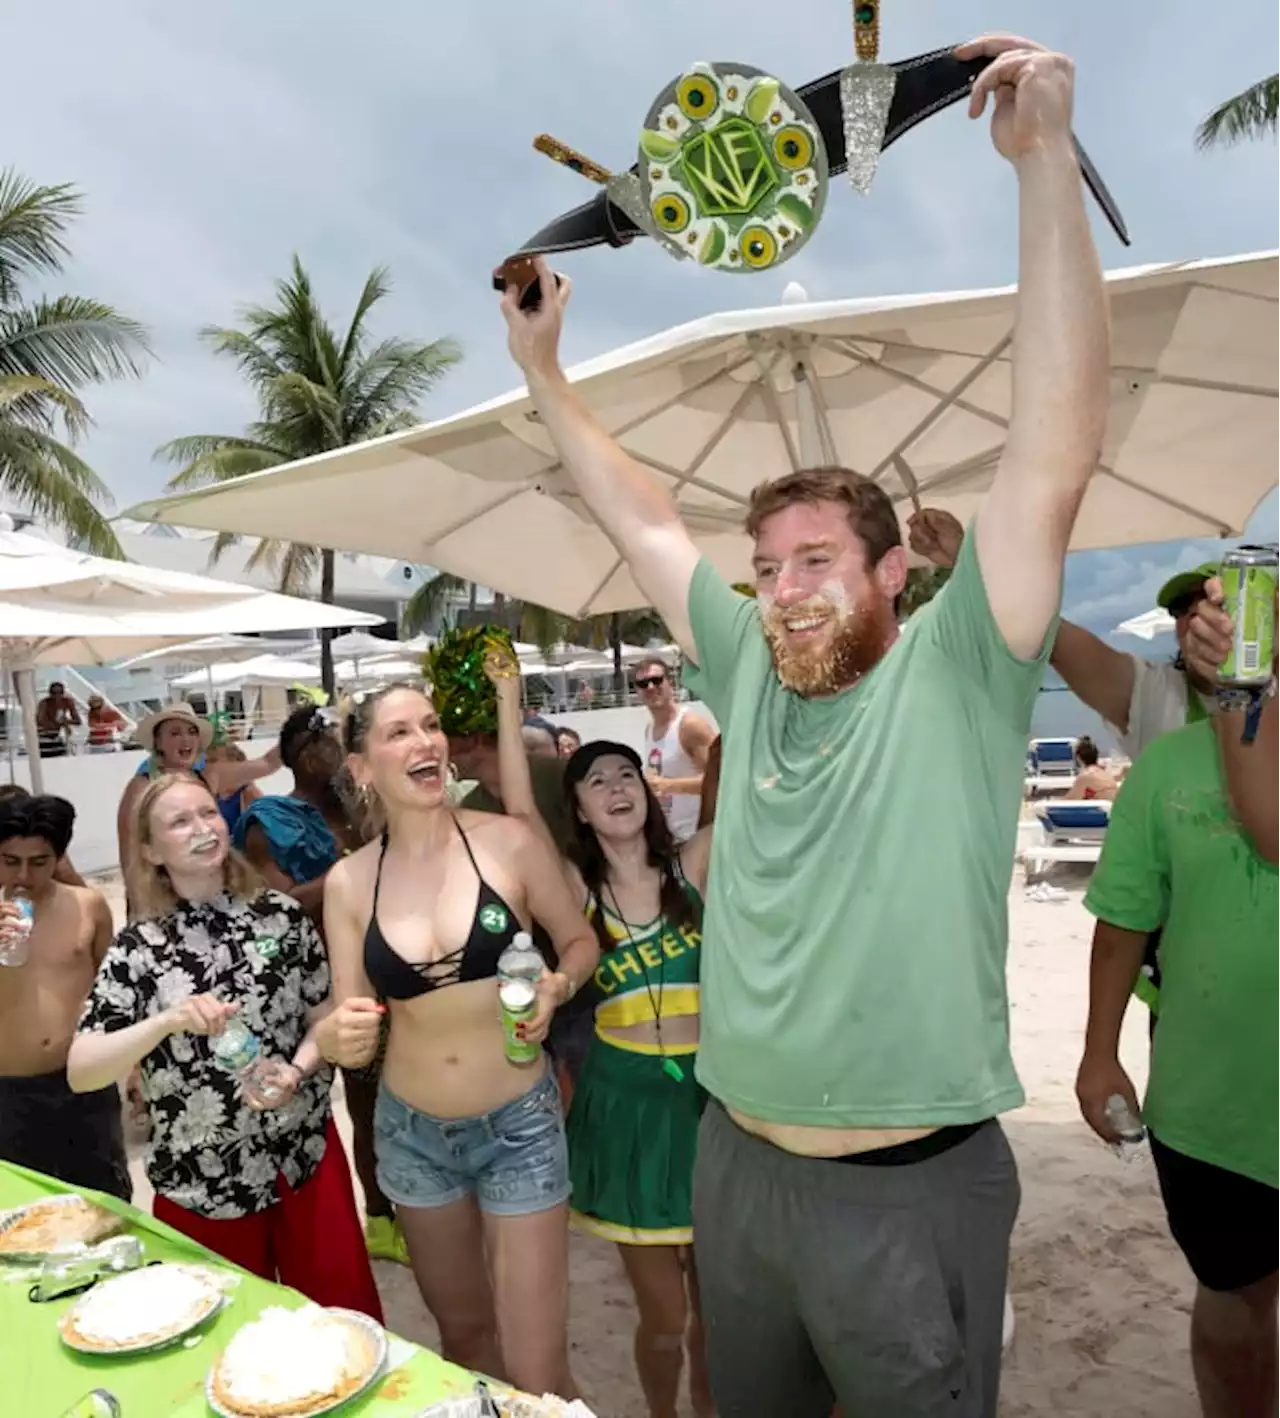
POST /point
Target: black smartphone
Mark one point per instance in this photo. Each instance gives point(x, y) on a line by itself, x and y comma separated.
point(519, 271)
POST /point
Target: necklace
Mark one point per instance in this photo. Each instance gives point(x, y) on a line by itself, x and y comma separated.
point(671, 1067)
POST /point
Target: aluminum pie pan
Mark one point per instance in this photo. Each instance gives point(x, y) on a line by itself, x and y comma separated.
point(150, 1345)
point(111, 1225)
point(354, 1317)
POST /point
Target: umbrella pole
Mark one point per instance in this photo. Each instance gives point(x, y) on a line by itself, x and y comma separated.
point(24, 683)
point(212, 705)
point(7, 678)
point(817, 443)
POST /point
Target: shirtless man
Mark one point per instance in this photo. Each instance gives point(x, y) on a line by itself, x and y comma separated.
point(76, 1137)
point(854, 1193)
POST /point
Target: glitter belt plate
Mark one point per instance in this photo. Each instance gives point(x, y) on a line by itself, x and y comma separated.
point(924, 86)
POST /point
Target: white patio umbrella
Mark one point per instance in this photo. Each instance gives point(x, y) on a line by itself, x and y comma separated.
point(1148, 625)
point(377, 671)
point(913, 391)
point(63, 607)
point(261, 669)
point(357, 649)
point(213, 650)
point(360, 645)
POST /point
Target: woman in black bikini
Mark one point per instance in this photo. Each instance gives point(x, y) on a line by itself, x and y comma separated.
point(470, 1147)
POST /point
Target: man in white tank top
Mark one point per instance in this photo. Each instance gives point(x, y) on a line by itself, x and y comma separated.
point(676, 743)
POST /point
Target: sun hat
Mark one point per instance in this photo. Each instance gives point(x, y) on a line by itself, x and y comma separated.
point(1185, 583)
point(147, 726)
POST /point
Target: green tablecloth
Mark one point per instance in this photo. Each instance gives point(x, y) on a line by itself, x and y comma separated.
point(41, 1378)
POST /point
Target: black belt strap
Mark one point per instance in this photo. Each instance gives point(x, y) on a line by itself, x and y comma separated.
point(925, 85)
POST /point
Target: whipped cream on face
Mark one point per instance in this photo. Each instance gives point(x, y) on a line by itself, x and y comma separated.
point(286, 1354)
point(148, 1301)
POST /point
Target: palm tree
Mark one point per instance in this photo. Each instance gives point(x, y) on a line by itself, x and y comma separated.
point(923, 584)
point(1251, 114)
point(430, 601)
point(50, 348)
point(537, 625)
point(317, 390)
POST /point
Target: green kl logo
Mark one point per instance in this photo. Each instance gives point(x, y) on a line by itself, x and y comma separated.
point(728, 169)
point(493, 919)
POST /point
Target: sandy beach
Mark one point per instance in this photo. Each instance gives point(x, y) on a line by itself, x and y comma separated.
point(1100, 1293)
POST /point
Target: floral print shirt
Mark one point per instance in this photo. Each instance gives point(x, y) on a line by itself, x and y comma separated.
point(209, 1152)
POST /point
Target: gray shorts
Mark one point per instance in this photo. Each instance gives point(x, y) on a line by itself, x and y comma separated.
point(877, 1287)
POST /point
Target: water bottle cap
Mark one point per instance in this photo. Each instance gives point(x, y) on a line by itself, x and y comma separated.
point(522, 940)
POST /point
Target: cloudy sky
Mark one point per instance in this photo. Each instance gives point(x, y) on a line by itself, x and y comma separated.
point(212, 142)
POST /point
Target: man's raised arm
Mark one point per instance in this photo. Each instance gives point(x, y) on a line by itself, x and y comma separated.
point(1061, 362)
point(628, 501)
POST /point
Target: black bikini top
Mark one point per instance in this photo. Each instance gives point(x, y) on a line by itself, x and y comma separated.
point(493, 927)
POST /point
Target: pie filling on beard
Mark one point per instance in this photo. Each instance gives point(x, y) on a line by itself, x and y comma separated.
point(58, 1225)
point(141, 1307)
point(290, 1362)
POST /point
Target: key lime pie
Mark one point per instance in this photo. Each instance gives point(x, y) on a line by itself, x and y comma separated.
point(288, 1363)
point(140, 1308)
point(59, 1223)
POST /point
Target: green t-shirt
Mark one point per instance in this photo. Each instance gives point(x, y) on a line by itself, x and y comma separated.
point(548, 792)
point(856, 927)
point(1175, 857)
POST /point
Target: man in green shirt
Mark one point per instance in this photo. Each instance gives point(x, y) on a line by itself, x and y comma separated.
point(476, 757)
point(1191, 847)
point(854, 1195)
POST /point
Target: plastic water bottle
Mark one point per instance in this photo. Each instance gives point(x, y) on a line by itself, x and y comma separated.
point(238, 1051)
point(1132, 1133)
point(15, 934)
point(520, 967)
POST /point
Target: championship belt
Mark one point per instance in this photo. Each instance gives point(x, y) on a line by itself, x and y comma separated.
point(758, 215)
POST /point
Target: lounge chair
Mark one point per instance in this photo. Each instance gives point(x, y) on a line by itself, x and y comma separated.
point(1073, 832)
point(1051, 766)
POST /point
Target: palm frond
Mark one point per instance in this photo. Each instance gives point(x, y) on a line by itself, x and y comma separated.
point(430, 600)
point(1251, 114)
point(32, 222)
point(47, 479)
point(309, 411)
point(258, 364)
point(294, 564)
point(376, 287)
point(208, 458)
point(32, 401)
point(396, 375)
point(71, 340)
point(547, 628)
point(400, 422)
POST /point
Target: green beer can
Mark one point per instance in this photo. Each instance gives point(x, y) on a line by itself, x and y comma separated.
point(1249, 598)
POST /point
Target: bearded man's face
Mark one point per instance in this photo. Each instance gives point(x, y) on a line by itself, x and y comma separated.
point(827, 615)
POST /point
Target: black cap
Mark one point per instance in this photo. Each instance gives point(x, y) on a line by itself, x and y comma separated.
point(579, 765)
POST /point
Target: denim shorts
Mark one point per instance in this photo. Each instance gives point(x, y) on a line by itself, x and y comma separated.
point(514, 1160)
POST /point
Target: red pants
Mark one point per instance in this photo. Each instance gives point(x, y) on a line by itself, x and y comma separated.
point(310, 1240)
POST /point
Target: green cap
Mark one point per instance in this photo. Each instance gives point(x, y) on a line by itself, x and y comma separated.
point(1185, 583)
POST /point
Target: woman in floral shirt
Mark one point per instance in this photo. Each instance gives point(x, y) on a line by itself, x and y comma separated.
point(260, 1186)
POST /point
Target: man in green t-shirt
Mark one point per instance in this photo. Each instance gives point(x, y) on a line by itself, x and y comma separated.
point(476, 757)
point(854, 1194)
point(1191, 847)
